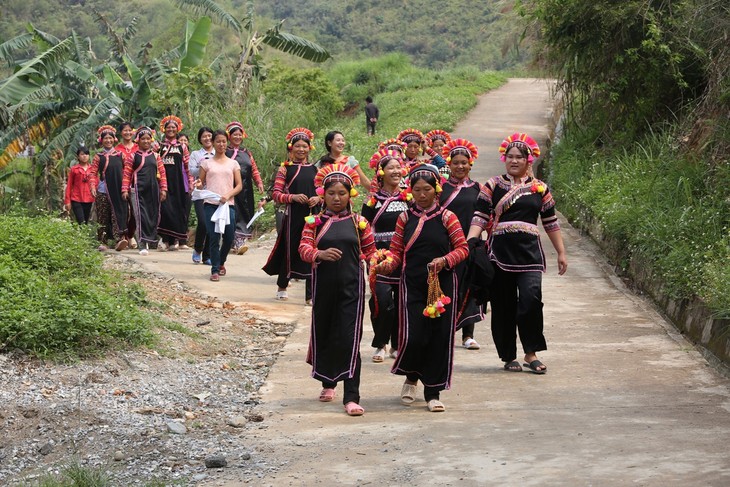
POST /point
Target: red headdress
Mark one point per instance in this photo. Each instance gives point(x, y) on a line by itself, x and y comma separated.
point(104, 130)
point(235, 125)
point(383, 156)
point(460, 146)
point(410, 135)
point(144, 130)
point(171, 119)
point(393, 144)
point(520, 140)
point(299, 133)
point(438, 135)
point(341, 173)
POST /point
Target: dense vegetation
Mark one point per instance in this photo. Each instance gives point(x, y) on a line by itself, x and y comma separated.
point(55, 298)
point(435, 34)
point(647, 97)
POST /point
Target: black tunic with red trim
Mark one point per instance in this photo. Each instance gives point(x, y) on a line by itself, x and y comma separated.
point(175, 210)
point(461, 198)
point(338, 293)
point(284, 258)
point(425, 345)
point(109, 167)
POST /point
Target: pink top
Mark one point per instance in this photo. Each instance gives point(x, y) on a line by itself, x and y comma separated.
point(219, 177)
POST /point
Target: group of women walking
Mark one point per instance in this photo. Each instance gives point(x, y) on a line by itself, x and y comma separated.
point(422, 220)
point(412, 234)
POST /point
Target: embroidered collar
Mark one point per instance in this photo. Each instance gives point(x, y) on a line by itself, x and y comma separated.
point(421, 212)
point(512, 180)
point(342, 214)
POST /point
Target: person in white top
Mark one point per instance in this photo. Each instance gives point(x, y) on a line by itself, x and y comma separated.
point(200, 247)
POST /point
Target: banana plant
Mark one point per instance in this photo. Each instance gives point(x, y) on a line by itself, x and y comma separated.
point(252, 42)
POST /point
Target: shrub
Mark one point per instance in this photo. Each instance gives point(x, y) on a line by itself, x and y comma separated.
point(55, 298)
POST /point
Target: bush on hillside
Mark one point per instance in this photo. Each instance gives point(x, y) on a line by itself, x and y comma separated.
point(55, 297)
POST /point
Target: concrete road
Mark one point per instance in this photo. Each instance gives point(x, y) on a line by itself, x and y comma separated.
point(626, 400)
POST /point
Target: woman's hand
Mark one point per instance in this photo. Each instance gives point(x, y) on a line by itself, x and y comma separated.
point(332, 254)
point(314, 201)
point(437, 264)
point(301, 198)
point(125, 195)
point(260, 187)
point(163, 196)
point(562, 263)
point(198, 184)
point(223, 200)
point(262, 202)
point(93, 192)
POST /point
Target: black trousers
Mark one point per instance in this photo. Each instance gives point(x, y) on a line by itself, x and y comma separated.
point(81, 211)
point(201, 231)
point(385, 325)
point(352, 386)
point(516, 299)
point(283, 282)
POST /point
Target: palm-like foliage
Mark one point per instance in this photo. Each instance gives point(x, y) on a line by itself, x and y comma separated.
point(251, 42)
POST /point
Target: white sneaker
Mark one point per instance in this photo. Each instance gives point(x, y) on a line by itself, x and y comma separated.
point(144, 252)
point(162, 246)
point(281, 296)
point(471, 344)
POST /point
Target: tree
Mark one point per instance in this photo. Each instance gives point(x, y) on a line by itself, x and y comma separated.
point(251, 42)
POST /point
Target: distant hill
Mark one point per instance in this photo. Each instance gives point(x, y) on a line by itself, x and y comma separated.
point(433, 33)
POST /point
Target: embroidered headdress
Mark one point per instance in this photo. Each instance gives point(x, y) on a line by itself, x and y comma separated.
point(393, 144)
point(520, 140)
point(171, 119)
point(233, 126)
point(438, 135)
point(336, 173)
point(106, 130)
point(421, 170)
point(384, 156)
point(411, 135)
point(460, 146)
point(299, 133)
point(142, 131)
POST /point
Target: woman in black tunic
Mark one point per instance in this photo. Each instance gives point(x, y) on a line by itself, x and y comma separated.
point(145, 183)
point(108, 167)
point(293, 187)
point(427, 238)
point(510, 204)
point(460, 196)
point(250, 176)
point(382, 211)
point(335, 243)
point(175, 210)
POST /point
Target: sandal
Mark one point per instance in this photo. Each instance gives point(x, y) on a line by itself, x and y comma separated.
point(408, 393)
point(327, 395)
point(393, 352)
point(281, 296)
point(354, 409)
point(379, 356)
point(513, 366)
point(436, 406)
point(535, 366)
point(471, 344)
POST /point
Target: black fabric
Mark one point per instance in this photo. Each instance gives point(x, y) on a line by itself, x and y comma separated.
point(245, 199)
point(112, 175)
point(175, 210)
point(479, 271)
point(81, 211)
point(146, 201)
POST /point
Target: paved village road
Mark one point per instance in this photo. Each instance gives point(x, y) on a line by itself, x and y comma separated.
point(626, 400)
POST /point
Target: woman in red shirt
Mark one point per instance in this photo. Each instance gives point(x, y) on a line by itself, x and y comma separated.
point(78, 197)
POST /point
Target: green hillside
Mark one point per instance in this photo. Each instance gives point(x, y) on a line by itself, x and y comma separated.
point(434, 34)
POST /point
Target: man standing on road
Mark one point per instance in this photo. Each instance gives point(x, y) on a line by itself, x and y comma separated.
point(371, 115)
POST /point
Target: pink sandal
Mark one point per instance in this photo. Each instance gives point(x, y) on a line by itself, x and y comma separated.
point(354, 409)
point(327, 395)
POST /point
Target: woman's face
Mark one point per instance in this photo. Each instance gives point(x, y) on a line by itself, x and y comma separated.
point(183, 140)
point(300, 150)
point(336, 197)
point(413, 149)
point(170, 130)
point(438, 144)
point(460, 166)
point(236, 138)
point(423, 193)
point(127, 133)
point(206, 140)
point(516, 163)
point(83, 158)
point(145, 141)
point(107, 141)
point(393, 173)
point(338, 144)
point(220, 143)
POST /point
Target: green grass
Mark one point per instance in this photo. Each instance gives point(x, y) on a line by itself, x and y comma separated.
point(667, 211)
point(55, 297)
